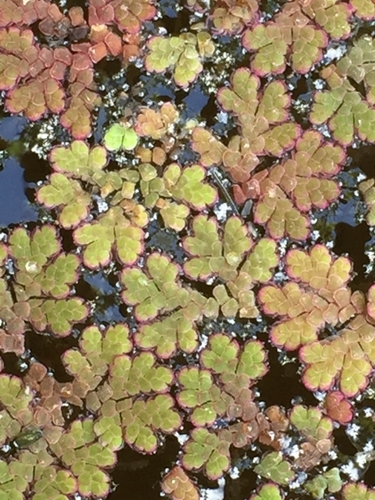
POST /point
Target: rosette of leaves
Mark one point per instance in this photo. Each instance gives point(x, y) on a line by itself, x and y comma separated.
point(291, 32)
point(111, 231)
point(275, 468)
point(338, 408)
point(21, 58)
point(214, 254)
point(264, 119)
point(316, 295)
point(156, 124)
point(156, 292)
point(77, 117)
point(182, 54)
point(208, 450)
point(68, 197)
point(332, 16)
point(43, 277)
point(97, 349)
point(363, 10)
point(143, 420)
point(14, 45)
point(235, 371)
point(32, 471)
point(346, 359)
point(200, 394)
point(134, 407)
point(186, 185)
point(317, 428)
point(176, 331)
point(358, 65)
point(231, 17)
point(88, 164)
point(344, 109)
point(129, 15)
point(79, 451)
point(290, 189)
point(104, 42)
point(78, 160)
point(179, 486)
point(224, 357)
point(256, 268)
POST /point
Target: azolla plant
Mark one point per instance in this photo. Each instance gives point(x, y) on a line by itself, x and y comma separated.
point(208, 225)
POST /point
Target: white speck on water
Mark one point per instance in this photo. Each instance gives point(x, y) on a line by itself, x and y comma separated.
point(352, 431)
point(369, 412)
point(334, 53)
point(351, 470)
point(181, 438)
point(234, 473)
point(222, 117)
point(217, 494)
point(221, 211)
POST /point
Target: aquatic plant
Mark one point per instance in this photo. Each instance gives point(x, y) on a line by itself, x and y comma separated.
point(193, 167)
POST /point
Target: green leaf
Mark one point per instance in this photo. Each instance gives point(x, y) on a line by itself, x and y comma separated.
point(120, 137)
point(78, 159)
point(353, 491)
point(208, 449)
point(273, 467)
point(268, 492)
point(311, 422)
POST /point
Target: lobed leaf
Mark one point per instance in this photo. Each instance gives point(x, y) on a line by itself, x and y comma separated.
point(142, 419)
point(68, 197)
point(118, 137)
point(111, 231)
point(208, 450)
point(210, 256)
point(179, 486)
point(78, 159)
point(347, 359)
point(318, 296)
point(267, 492)
point(273, 467)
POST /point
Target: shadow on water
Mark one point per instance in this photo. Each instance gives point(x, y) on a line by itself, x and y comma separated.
point(14, 205)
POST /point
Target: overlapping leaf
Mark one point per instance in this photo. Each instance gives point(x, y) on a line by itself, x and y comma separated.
point(263, 119)
point(344, 108)
point(185, 186)
point(230, 17)
point(316, 296)
point(86, 458)
point(78, 160)
point(179, 486)
point(288, 190)
point(346, 359)
point(275, 468)
point(209, 450)
point(111, 232)
point(44, 278)
point(291, 33)
point(182, 53)
point(210, 255)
